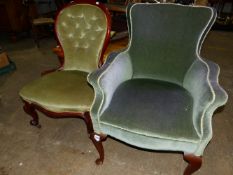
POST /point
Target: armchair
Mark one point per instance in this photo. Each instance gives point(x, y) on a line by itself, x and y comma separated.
point(159, 94)
point(83, 32)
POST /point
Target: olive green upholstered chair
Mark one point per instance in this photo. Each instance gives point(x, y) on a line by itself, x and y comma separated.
point(83, 31)
point(159, 94)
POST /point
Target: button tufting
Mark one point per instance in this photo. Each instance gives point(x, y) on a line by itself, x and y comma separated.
point(86, 46)
point(76, 45)
point(94, 18)
point(64, 24)
point(70, 15)
point(82, 35)
point(77, 25)
point(99, 29)
point(80, 16)
point(70, 35)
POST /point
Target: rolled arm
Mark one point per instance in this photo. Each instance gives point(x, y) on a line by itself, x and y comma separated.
point(220, 94)
point(197, 82)
point(93, 76)
point(105, 80)
point(220, 99)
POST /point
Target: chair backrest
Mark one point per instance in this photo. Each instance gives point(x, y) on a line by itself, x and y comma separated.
point(166, 39)
point(83, 30)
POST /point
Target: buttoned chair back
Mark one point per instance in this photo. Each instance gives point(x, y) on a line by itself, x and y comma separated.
point(81, 31)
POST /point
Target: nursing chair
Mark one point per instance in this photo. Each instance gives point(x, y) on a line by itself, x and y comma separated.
point(159, 93)
point(83, 31)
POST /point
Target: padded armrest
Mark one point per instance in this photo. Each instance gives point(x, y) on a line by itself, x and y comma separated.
point(220, 94)
point(105, 80)
point(220, 98)
point(197, 82)
point(93, 76)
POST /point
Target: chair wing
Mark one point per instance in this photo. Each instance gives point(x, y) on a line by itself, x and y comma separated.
point(159, 93)
point(116, 70)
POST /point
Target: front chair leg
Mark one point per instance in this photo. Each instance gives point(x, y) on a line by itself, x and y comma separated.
point(194, 163)
point(29, 109)
point(87, 119)
point(97, 141)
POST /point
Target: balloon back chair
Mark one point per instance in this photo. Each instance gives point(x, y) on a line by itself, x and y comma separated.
point(83, 31)
point(159, 94)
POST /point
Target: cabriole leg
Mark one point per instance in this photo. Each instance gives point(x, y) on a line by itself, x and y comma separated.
point(194, 163)
point(87, 119)
point(97, 141)
point(29, 109)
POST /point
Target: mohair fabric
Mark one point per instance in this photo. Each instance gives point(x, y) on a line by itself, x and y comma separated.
point(159, 93)
point(81, 30)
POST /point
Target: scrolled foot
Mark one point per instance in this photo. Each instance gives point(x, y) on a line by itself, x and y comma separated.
point(29, 109)
point(99, 161)
point(97, 141)
point(195, 163)
point(35, 123)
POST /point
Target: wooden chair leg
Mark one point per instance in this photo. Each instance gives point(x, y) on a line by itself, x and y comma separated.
point(87, 119)
point(195, 163)
point(97, 141)
point(95, 138)
point(29, 109)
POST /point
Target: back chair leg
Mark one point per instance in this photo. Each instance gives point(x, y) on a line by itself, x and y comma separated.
point(195, 163)
point(29, 109)
point(97, 141)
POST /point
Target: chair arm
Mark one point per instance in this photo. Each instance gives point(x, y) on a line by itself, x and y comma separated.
point(220, 99)
point(197, 82)
point(93, 76)
point(220, 94)
point(105, 80)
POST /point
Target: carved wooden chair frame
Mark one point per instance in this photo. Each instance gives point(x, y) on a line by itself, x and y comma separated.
point(30, 108)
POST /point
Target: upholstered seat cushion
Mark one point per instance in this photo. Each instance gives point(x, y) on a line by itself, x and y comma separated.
point(61, 91)
point(165, 110)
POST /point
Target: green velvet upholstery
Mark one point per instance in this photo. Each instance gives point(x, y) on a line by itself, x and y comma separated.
point(62, 91)
point(141, 94)
point(81, 29)
point(159, 93)
point(173, 50)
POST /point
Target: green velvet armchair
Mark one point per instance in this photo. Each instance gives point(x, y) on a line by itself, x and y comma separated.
point(83, 31)
point(159, 94)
